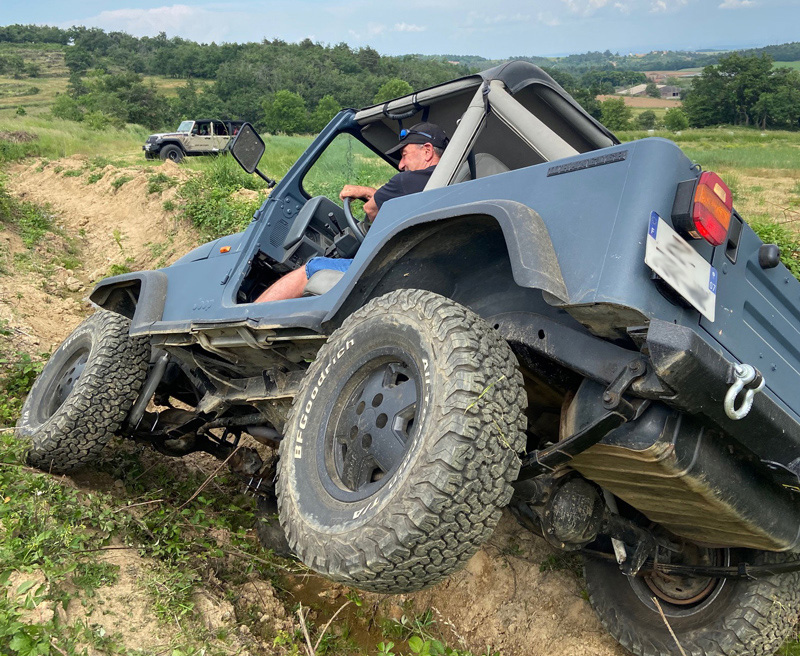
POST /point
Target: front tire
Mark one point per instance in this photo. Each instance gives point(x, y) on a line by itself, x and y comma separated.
point(84, 393)
point(710, 617)
point(173, 153)
point(401, 448)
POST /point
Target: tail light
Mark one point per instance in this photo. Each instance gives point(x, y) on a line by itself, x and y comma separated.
point(703, 208)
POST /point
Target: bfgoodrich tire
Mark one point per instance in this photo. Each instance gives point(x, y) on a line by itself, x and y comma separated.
point(402, 445)
point(713, 617)
point(84, 393)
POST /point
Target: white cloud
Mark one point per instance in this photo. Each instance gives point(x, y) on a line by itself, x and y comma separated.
point(190, 22)
point(660, 6)
point(584, 7)
point(409, 27)
point(546, 18)
point(737, 4)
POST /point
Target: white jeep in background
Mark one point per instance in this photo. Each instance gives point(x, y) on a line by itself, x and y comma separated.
point(201, 137)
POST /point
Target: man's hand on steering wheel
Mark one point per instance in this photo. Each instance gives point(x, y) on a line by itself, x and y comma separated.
point(356, 192)
point(363, 193)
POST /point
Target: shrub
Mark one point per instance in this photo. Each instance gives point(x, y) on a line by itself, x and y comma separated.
point(286, 113)
point(615, 114)
point(646, 120)
point(675, 119)
point(393, 88)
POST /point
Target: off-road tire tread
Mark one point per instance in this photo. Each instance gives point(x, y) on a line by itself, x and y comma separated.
point(99, 403)
point(463, 481)
point(757, 623)
point(164, 153)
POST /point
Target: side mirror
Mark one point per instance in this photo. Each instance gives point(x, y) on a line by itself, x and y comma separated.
point(247, 149)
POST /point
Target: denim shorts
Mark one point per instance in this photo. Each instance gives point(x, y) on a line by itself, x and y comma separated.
point(319, 263)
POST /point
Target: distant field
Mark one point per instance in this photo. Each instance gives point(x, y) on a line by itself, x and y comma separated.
point(792, 64)
point(643, 102)
point(761, 168)
point(683, 72)
point(49, 57)
point(36, 94)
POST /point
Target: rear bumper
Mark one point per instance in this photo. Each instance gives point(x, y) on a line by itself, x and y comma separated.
point(701, 375)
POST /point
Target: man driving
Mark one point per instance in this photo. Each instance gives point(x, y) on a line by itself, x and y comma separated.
point(419, 150)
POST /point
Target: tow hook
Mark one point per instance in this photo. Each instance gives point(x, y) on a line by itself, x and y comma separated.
point(747, 378)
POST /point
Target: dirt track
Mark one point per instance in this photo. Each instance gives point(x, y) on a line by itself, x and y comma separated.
point(501, 600)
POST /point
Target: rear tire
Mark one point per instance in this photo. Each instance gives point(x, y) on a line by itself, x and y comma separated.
point(84, 393)
point(173, 153)
point(733, 618)
point(401, 448)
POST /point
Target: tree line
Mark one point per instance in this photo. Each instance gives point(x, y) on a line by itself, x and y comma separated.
point(298, 87)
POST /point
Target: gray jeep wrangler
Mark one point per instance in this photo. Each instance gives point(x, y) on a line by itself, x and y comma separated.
point(202, 137)
point(584, 331)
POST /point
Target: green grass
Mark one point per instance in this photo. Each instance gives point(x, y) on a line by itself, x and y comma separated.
point(211, 200)
point(734, 147)
point(57, 138)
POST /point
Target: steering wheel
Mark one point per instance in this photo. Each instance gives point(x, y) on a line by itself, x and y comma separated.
point(359, 228)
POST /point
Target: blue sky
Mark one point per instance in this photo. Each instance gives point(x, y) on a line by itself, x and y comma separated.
point(502, 28)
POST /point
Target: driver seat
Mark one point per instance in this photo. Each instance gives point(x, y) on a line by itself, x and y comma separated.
point(321, 282)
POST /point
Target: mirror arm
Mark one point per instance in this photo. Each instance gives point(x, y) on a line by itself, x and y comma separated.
point(270, 182)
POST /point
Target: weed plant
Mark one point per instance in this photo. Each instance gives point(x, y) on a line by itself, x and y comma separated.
point(120, 180)
point(158, 182)
point(211, 200)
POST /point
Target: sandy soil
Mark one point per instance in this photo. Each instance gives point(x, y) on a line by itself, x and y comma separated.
point(500, 600)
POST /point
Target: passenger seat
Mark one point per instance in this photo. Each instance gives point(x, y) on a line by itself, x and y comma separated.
point(485, 165)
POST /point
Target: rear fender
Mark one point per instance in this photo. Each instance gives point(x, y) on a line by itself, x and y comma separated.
point(140, 296)
point(456, 234)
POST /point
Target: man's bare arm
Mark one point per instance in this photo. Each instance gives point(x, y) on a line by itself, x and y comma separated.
point(357, 191)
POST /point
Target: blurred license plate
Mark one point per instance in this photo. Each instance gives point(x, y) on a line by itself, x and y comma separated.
point(681, 267)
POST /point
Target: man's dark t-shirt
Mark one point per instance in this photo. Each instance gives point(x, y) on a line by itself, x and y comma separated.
point(402, 184)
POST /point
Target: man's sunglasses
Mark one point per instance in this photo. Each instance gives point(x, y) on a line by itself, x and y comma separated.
point(404, 133)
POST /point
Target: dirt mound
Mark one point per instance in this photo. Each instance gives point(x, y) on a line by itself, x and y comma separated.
point(113, 218)
point(16, 137)
point(519, 596)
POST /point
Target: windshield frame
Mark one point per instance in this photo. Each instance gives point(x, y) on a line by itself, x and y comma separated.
point(182, 128)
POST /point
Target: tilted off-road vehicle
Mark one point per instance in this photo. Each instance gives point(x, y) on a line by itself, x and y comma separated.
point(583, 330)
point(202, 137)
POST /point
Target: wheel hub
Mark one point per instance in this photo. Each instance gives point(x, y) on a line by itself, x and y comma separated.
point(684, 590)
point(65, 382)
point(372, 433)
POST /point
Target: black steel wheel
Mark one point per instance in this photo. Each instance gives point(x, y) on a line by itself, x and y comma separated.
point(84, 393)
point(171, 152)
point(709, 616)
point(402, 445)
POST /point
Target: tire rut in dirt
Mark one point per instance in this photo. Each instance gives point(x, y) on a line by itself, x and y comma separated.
point(432, 509)
point(71, 433)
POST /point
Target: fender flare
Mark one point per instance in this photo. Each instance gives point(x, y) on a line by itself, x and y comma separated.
point(533, 258)
point(140, 296)
point(172, 142)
